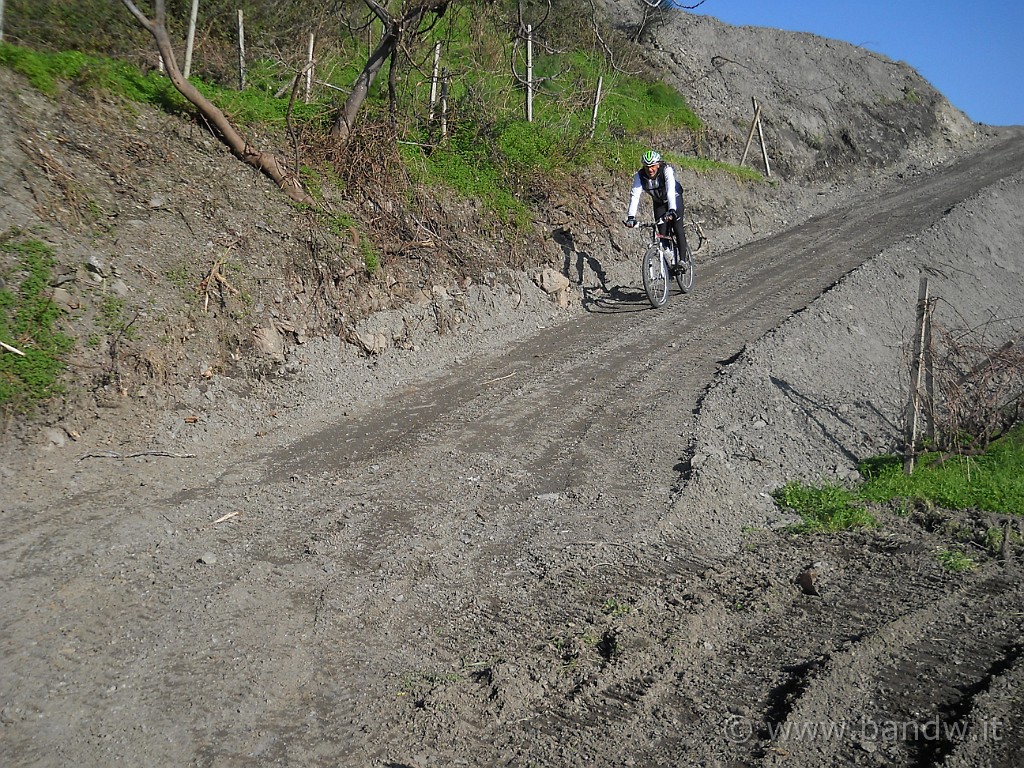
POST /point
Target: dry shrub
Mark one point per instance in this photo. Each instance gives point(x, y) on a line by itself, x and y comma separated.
point(978, 385)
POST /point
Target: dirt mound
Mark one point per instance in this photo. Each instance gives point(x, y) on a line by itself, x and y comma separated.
point(829, 387)
point(830, 110)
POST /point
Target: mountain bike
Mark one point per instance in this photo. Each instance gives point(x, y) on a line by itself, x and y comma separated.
point(661, 262)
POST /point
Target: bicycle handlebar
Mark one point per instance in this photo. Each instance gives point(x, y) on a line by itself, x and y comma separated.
point(656, 234)
point(645, 224)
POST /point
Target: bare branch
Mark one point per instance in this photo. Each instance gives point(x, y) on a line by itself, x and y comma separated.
point(609, 55)
point(539, 24)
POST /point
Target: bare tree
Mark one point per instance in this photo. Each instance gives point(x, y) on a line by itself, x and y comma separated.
point(265, 162)
point(653, 7)
point(980, 390)
point(399, 30)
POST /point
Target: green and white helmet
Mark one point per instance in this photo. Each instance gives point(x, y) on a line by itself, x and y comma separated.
point(651, 158)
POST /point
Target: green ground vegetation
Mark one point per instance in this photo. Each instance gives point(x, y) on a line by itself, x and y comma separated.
point(29, 322)
point(490, 152)
point(991, 482)
point(825, 508)
point(955, 560)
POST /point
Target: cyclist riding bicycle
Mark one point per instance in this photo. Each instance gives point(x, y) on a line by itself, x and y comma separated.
point(658, 179)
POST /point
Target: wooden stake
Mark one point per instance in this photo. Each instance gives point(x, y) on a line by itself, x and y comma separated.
point(191, 38)
point(8, 347)
point(929, 373)
point(597, 100)
point(753, 127)
point(529, 73)
point(309, 67)
point(764, 148)
point(916, 375)
point(241, 51)
point(433, 80)
point(228, 516)
point(444, 103)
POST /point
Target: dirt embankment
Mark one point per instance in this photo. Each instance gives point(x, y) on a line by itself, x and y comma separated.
point(523, 560)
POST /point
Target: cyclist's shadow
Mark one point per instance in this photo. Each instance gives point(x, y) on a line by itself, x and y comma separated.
point(606, 298)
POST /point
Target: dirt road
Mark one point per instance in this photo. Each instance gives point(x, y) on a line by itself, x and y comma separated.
point(479, 571)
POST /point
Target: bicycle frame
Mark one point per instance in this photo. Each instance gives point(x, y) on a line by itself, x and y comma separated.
point(661, 262)
point(656, 236)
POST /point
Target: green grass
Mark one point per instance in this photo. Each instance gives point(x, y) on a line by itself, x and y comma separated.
point(826, 509)
point(29, 322)
point(113, 317)
point(45, 71)
point(614, 607)
point(469, 173)
point(993, 482)
point(371, 261)
point(257, 107)
point(955, 561)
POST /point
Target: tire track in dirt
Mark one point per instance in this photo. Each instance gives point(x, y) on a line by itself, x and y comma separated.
point(565, 407)
point(456, 480)
point(893, 686)
point(993, 723)
point(743, 293)
point(811, 680)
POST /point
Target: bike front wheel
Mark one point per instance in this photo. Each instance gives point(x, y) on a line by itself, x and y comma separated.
point(684, 272)
point(655, 277)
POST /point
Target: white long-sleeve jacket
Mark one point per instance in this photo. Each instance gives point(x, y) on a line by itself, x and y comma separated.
point(662, 189)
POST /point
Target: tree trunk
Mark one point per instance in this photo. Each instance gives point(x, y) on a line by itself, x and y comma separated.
point(265, 162)
point(346, 119)
point(395, 29)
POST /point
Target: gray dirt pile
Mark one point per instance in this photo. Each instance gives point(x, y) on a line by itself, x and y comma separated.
point(829, 387)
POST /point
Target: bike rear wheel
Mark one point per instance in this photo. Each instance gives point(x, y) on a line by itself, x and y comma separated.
point(684, 271)
point(654, 274)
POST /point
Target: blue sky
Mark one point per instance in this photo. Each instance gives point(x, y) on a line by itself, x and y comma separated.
point(972, 51)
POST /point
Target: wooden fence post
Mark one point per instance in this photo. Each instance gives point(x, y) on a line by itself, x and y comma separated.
point(309, 67)
point(241, 51)
point(529, 73)
point(917, 368)
point(1, 21)
point(444, 103)
point(191, 38)
point(753, 127)
point(764, 147)
point(597, 101)
point(929, 372)
point(433, 80)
